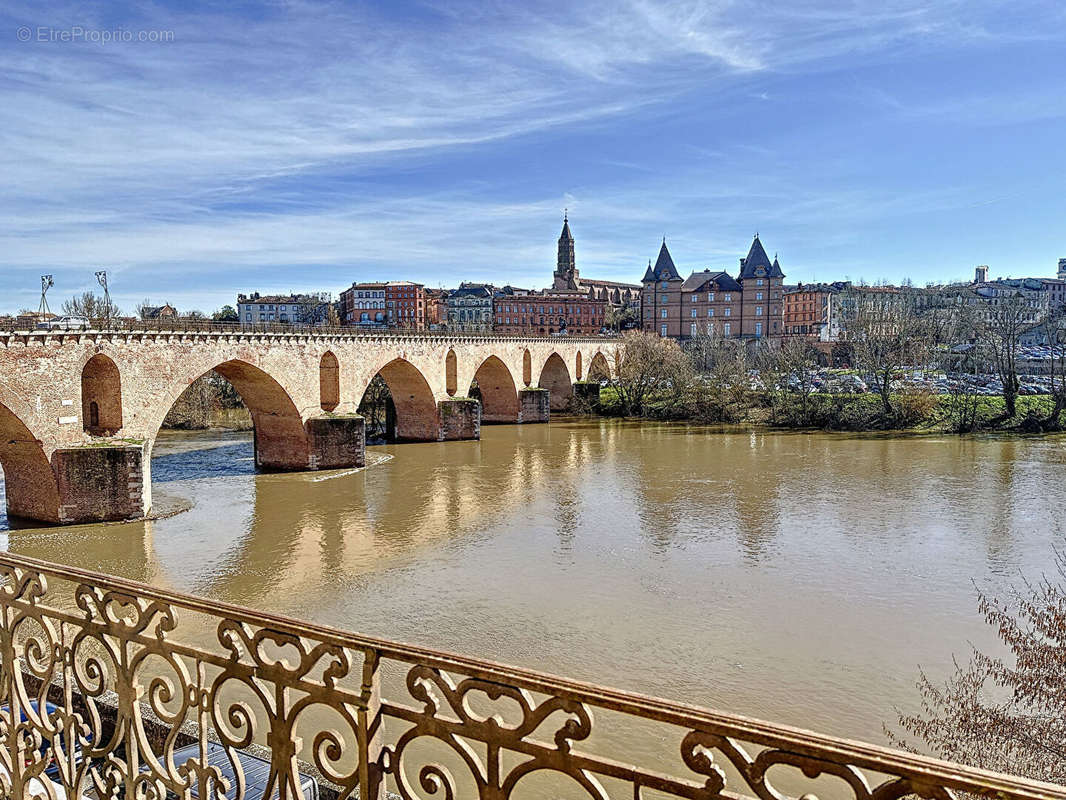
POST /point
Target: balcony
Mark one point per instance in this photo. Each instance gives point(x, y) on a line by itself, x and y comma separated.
point(116, 689)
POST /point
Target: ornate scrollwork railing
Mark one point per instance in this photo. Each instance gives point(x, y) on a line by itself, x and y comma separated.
point(106, 683)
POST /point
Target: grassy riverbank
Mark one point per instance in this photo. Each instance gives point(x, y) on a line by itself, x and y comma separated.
point(916, 411)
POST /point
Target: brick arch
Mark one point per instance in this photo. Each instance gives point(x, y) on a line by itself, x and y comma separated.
point(280, 439)
point(555, 377)
point(29, 483)
point(416, 409)
point(499, 395)
point(101, 396)
point(599, 367)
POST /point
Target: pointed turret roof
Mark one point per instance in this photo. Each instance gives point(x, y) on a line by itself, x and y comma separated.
point(775, 270)
point(756, 258)
point(664, 265)
point(649, 276)
point(566, 235)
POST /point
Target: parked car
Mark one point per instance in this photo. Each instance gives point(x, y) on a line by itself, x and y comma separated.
point(52, 768)
point(256, 772)
point(71, 322)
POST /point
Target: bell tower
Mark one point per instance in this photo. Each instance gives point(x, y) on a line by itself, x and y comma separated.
point(565, 264)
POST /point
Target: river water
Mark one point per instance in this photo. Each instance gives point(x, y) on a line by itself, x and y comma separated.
point(796, 577)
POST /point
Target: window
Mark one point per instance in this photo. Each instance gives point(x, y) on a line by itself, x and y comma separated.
point(758, 329)
point(727, 329)
point(758, 282)
point(710, 297)
point(695, 298)
point(710, 312)
point(695, 312)
point(729, 298)
point(663, 313)
point(694, 329)
point(662, 330)
point(663, 299)
point(758, 295)
point(729, 312)
point(758, 311)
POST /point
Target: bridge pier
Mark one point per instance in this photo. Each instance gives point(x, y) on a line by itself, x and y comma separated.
point(98, 484)
point(534, 405)
point(336, 442)
point(460, 418)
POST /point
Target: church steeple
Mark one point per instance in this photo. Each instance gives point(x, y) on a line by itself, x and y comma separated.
point(566, 275)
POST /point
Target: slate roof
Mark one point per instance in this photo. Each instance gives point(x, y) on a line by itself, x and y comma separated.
point(664, 269)
point(697, 280)
point(756, 258)
point(470, 291)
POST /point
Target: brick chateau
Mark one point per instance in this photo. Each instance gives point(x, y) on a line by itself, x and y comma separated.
point(713, 301)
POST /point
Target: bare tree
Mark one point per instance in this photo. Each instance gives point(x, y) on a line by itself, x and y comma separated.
point(1055, 331)
point(956, 356)
point(1007, 715)
point(999, 333)
point(143, 308)
point(885, 333)
point(91, 306)
point(723, 365)
point(651, 367)
point(799, 360)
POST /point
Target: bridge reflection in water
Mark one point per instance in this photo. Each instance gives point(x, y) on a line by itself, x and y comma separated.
point(369, 716)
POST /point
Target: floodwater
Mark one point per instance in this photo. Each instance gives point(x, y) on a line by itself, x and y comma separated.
point(796, 577)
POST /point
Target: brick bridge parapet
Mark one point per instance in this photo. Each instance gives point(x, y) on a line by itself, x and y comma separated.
point(80, 410)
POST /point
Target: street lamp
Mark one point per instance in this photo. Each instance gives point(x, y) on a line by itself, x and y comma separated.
point(101, 278)
point(46, 284)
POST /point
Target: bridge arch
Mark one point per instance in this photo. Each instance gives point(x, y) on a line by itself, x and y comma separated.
point(101, 396)
point(555, 377)
point(416, 409)
point(499, 395)
point(329, 381)
point(279, 437)
point(29, 482)
point(599, 368)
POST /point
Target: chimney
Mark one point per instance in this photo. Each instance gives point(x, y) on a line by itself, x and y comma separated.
point(980, 274)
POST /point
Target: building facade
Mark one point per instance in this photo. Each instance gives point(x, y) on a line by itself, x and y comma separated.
point(291, 309)
point(470, 307)
point(363, 305)
point(405, 305)
point(712, 301)
point(813, 310)
point(436, 308)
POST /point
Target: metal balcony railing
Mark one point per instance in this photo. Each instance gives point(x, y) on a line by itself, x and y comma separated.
point(107, 682)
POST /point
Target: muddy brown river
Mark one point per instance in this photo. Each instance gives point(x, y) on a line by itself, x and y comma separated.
point(801, 578)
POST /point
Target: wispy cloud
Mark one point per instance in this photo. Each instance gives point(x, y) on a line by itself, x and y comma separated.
point(329, 138)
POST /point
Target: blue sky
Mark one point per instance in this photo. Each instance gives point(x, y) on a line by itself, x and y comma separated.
point(293, 145)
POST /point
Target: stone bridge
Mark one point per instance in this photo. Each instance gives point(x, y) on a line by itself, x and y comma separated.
point(80, 411)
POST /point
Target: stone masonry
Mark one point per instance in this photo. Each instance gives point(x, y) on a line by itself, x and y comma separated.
point(80, 411)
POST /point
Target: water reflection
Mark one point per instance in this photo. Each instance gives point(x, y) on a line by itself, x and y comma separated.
point(797, 577)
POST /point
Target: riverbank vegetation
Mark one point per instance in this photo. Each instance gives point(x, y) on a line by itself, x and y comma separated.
point(906, 379)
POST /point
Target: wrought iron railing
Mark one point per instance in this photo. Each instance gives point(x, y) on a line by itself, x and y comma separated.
point(105, 681)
